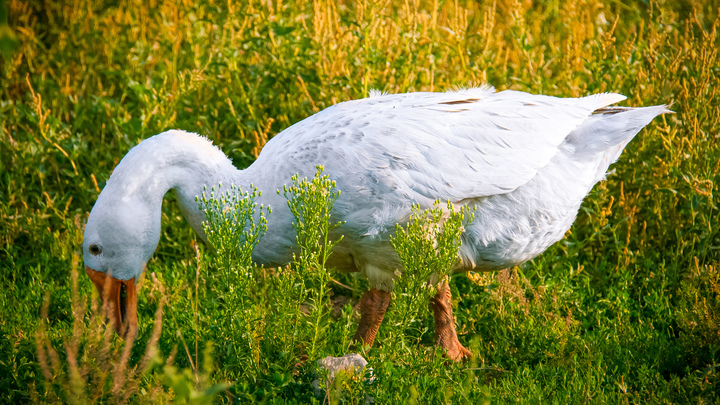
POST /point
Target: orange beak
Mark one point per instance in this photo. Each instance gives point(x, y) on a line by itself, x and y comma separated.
point(119, 300)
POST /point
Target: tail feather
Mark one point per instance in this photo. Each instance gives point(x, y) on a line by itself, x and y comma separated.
point(609, 127)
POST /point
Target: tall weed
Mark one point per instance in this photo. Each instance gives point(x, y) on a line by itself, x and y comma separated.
point(233, 229)
point(428, 249)
point(311, 203)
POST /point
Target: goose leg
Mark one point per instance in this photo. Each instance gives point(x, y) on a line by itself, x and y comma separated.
point(373, 305)
point(445, 335)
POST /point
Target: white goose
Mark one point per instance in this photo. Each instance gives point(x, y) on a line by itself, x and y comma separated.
point(524, 161)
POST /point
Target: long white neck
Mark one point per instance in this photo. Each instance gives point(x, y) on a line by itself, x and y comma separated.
point(174, 160)
point(129, 210)
point(126, 219)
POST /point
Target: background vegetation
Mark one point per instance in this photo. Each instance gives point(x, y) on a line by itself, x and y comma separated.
point(625, 309)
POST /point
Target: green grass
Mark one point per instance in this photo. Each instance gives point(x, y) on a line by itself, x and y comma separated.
point(625, 309)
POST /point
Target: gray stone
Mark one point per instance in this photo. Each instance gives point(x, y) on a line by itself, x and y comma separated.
point(351, 363)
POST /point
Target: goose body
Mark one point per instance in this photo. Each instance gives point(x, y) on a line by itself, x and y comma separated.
point(524, 162)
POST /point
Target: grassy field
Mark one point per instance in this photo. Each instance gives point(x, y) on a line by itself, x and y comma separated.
point(625, 309)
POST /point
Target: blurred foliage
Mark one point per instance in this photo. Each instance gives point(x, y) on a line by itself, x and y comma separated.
point(624, 309)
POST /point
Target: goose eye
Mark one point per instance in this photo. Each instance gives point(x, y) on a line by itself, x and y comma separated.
point(95, 249)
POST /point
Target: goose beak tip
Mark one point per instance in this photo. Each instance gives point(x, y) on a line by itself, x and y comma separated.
point(119, 301)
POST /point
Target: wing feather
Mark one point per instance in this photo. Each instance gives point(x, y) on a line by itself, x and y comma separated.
point(457, 145)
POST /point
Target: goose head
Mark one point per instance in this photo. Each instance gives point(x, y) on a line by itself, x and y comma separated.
point(123, 228)
point(121, 235)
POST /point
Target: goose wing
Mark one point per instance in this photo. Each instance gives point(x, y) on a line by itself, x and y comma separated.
point(455, 145)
